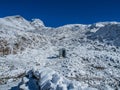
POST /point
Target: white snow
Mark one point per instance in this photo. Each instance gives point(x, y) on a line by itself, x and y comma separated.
point(37, 23)
point(92, 55)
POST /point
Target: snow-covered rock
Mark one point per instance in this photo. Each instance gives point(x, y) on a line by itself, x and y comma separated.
point(92, 54)
point(37, 23)
point(45, 79)
point(17, 22)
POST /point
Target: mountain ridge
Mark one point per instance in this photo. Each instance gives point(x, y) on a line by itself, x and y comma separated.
point(92, 54)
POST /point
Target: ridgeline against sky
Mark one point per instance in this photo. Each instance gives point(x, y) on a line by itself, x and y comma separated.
point(60, 12)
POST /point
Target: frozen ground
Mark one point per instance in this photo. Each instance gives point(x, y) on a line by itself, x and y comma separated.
point(92, 61)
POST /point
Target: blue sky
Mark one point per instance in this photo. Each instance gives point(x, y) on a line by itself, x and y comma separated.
point(56, 13)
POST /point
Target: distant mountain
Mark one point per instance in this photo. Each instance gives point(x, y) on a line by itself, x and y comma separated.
point(92, 55)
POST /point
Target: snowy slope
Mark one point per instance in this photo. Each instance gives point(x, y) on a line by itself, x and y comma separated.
point(92, 61)
point(17, 22)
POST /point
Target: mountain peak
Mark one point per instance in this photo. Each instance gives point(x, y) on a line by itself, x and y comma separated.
point(16, 21)
point(14, 17)
point(37, 23)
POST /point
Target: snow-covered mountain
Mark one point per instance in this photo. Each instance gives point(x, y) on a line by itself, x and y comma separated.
point(92, 55)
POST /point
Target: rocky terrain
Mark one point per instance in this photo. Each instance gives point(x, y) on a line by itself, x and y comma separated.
point(29, 55)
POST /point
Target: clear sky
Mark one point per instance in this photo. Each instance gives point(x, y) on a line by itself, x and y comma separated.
point(60, 12)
